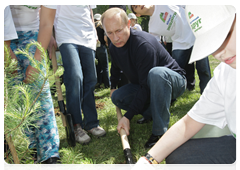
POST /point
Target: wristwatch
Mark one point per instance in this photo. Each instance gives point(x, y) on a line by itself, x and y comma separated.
point(151, 160)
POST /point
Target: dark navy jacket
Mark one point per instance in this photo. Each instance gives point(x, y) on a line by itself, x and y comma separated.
point(141, 53)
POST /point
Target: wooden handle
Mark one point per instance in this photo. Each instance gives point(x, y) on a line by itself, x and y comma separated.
point(57, 82)
point(123, 134)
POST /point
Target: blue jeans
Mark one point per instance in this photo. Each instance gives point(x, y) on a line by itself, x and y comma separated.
point(220, 150)
point(203, 69)
point(102, 66)
point(80, 79)
point(164, 84)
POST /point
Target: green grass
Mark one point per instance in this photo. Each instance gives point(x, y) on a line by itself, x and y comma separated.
point(108, 150)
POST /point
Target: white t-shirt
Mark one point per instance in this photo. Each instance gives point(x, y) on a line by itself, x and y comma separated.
point(9, 28)
point(26, 17)
point(217, 105)
point(170, 20)
point(137, 27)
point(73, 24)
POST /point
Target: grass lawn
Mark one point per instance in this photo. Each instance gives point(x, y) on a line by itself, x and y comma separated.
point(108, 150)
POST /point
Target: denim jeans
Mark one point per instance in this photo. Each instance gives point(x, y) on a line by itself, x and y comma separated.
point(102, 66)
point(203, 69)
point(164, 84)
point(80, 79)
point(220, 150)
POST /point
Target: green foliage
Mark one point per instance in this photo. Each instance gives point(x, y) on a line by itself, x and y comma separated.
point(20, 99)
point(108, 150)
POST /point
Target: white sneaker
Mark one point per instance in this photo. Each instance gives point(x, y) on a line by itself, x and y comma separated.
point(80, 135)
point(97, 131)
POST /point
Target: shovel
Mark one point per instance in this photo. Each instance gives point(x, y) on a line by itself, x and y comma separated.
point(126, 147)
point(66, 117)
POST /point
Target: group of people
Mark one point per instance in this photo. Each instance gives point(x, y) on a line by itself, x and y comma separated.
point(155, 77)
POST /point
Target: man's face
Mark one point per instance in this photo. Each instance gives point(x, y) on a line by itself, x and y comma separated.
point(141, 9)
point(227, 52)
point(117, 30)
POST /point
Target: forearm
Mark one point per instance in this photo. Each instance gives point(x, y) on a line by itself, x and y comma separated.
point(45, 29)
point(178, 134)
point(44, 37)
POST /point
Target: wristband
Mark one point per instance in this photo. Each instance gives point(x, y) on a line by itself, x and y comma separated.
point(151, 159)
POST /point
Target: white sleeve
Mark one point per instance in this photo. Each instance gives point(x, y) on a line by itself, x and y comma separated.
point(210, 108)
point(9, 27)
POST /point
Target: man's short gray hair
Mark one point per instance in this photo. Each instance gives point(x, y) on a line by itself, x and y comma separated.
point(112, 12)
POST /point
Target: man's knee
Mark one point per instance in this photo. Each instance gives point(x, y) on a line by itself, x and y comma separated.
point(157, 74)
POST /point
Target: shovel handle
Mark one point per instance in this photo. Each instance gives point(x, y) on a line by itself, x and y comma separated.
point(123, 134)
point(57, 82)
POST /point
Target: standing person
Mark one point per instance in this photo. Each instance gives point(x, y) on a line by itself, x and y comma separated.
point(76, 39)
point(170, 20)
point(217, 105)
point(44, 138)
point(101, 54)
point(133, 22)
point(154, 75)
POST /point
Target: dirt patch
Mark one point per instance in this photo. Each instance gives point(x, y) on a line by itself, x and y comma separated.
point(100, 105)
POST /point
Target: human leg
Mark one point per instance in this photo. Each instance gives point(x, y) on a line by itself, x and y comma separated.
point(203, 70)
point(44, 137)
point(73, 80)
point(221, 150)
point(164, 85)
point(182, 57)
point(103, 64)
point(87, 56)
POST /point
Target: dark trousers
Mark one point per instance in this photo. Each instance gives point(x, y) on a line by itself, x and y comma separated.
point(220, 150)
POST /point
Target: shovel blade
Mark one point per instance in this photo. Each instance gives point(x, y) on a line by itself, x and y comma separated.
point(70, 131)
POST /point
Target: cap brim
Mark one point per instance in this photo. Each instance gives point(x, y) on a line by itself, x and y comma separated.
point(210, 41)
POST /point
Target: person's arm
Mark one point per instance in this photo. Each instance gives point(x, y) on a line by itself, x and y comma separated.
point(178, 134)
point(47, 16)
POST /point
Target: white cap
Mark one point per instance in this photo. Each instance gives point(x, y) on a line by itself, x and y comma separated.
point(210, 25)
point(97, 17)
point(132, 16)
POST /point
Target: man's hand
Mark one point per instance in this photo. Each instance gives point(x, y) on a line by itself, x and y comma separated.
point(29, 72)
point(125, 124)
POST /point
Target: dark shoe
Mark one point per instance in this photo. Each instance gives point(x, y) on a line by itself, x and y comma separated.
point(190, 88)
point(52, 160)
point(173, 101)
point(152, 140)
point(143, 120)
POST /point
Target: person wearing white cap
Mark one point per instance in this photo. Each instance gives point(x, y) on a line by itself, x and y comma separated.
point(170, 20)
point(215, 31)
point(133, 22)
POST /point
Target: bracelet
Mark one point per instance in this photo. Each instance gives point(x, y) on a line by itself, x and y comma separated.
point(151, 159)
